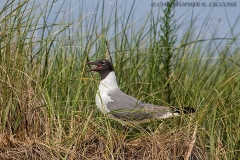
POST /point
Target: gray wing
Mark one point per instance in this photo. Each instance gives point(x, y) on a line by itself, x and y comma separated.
point(129, 108)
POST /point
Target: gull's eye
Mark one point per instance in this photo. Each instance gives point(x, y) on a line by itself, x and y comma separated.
point(103, 62)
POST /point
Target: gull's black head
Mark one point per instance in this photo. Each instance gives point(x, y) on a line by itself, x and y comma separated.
point(104, 67)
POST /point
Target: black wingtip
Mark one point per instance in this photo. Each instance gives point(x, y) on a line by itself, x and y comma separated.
point(185, 110)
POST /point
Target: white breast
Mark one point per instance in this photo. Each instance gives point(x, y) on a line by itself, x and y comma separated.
point(106, 86)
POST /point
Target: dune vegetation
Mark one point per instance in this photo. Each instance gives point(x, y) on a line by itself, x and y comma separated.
point(47, 99)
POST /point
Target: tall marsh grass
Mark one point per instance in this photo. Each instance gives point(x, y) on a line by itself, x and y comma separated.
point(47, 103)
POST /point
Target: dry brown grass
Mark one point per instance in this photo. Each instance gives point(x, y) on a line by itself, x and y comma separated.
point(167, 146)
point(152, 146)
point(12, 148)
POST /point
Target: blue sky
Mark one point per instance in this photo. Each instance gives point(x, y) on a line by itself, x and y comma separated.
point(222, 17)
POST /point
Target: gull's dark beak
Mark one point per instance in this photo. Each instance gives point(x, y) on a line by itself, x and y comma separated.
point(92, 63)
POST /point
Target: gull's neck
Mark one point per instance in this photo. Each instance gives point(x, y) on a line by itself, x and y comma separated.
point(109, 81)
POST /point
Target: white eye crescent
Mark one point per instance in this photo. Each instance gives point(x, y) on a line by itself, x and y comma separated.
point(103, 62)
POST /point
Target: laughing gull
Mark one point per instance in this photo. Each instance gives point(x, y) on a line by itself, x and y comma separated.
point(112, 101)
